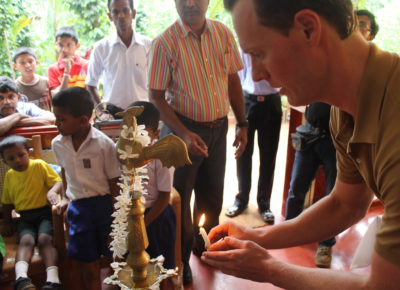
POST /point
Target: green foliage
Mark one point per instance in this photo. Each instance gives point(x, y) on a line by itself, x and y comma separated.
point(13, 22)
point(89, 19)
point(34, 23)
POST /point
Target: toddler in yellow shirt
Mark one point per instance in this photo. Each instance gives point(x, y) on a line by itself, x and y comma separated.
point(27, 186)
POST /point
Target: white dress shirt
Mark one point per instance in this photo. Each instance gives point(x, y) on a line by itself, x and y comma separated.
point(87, 170)
point(124, 69)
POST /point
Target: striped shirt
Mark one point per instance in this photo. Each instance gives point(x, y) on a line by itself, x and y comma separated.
point(194, 71)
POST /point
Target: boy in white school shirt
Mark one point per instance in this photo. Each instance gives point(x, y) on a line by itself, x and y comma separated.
point(90, 171)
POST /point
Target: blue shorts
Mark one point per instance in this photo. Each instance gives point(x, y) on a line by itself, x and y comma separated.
point(89, 221)
point(162, 235)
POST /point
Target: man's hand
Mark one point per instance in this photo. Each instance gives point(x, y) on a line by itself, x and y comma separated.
point(227, 229)
point(240, 141)
point(7, 229)
point(195, 144)
point(243, 259)
point(62, 206)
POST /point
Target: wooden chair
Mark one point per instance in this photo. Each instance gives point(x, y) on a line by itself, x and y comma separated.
point(36, 267)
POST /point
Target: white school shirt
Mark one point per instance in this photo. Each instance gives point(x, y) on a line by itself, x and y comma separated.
point(87, 170)
point(159, 179)
point(124, 69)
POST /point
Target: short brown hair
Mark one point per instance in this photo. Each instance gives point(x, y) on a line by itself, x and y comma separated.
point(280, 14)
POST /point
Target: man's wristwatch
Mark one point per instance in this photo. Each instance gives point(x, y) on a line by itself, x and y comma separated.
point(242, 124)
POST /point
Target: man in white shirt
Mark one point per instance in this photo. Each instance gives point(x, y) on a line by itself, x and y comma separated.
point(121, 58)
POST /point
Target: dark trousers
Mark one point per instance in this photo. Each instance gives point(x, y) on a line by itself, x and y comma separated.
point(161, 234)
point(206, 177)
point(265, 119)
point(305, 167)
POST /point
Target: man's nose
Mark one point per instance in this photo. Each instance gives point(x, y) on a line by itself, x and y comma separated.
point(260, 74)
point(190, 3)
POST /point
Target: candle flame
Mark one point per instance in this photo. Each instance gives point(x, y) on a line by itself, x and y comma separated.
point(202, 220)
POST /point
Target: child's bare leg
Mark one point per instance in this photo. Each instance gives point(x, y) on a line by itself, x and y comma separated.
point(24, 255)
point(47, 250)
point(49, 256)
point(91, 275)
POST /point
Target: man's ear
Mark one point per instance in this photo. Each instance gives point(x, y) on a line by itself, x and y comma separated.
point(133, 13)
point(19, 96)
point(109, 16)
point(310, 23)
point(83, 120)
point(14, 65)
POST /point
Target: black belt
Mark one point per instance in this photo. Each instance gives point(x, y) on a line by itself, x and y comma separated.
point(212, 124)
point(260, 98)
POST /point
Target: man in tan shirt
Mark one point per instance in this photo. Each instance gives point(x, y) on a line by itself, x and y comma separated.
point(312, 50)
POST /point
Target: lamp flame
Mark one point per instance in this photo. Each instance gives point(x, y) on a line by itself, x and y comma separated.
point(202, 220)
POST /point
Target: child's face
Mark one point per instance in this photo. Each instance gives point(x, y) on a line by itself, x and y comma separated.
point(8, 103)
point(17, 157)
point(153, 134)
point(26, 64)
point(66, 46)
point(66, 123)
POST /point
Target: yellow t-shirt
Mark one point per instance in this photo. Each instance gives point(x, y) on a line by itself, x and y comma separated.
point(28, 189)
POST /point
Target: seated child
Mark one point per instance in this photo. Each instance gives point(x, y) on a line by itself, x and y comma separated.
point(90, 170)
point(35, 87)
point(27, 186)
point(159, 215)
point(70, 70)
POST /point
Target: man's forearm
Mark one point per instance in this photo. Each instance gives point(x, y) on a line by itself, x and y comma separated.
point(9, 122)
point(167, 114)
point(95, 93)
point(288, 276)
point(236, 97)
point(37, 121)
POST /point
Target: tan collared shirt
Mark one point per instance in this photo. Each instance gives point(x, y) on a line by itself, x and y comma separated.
point(368, 147)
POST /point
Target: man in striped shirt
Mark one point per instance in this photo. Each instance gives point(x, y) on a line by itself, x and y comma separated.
point(193, 64)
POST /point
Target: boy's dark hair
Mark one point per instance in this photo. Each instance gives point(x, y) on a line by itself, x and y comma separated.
point(23, 50)
point(150, 116)
point(75, 100)
point(374, 24)
point(11, 141)
point(7, 84)
point(67, 31)
point(110, 1)
point(280, 14)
